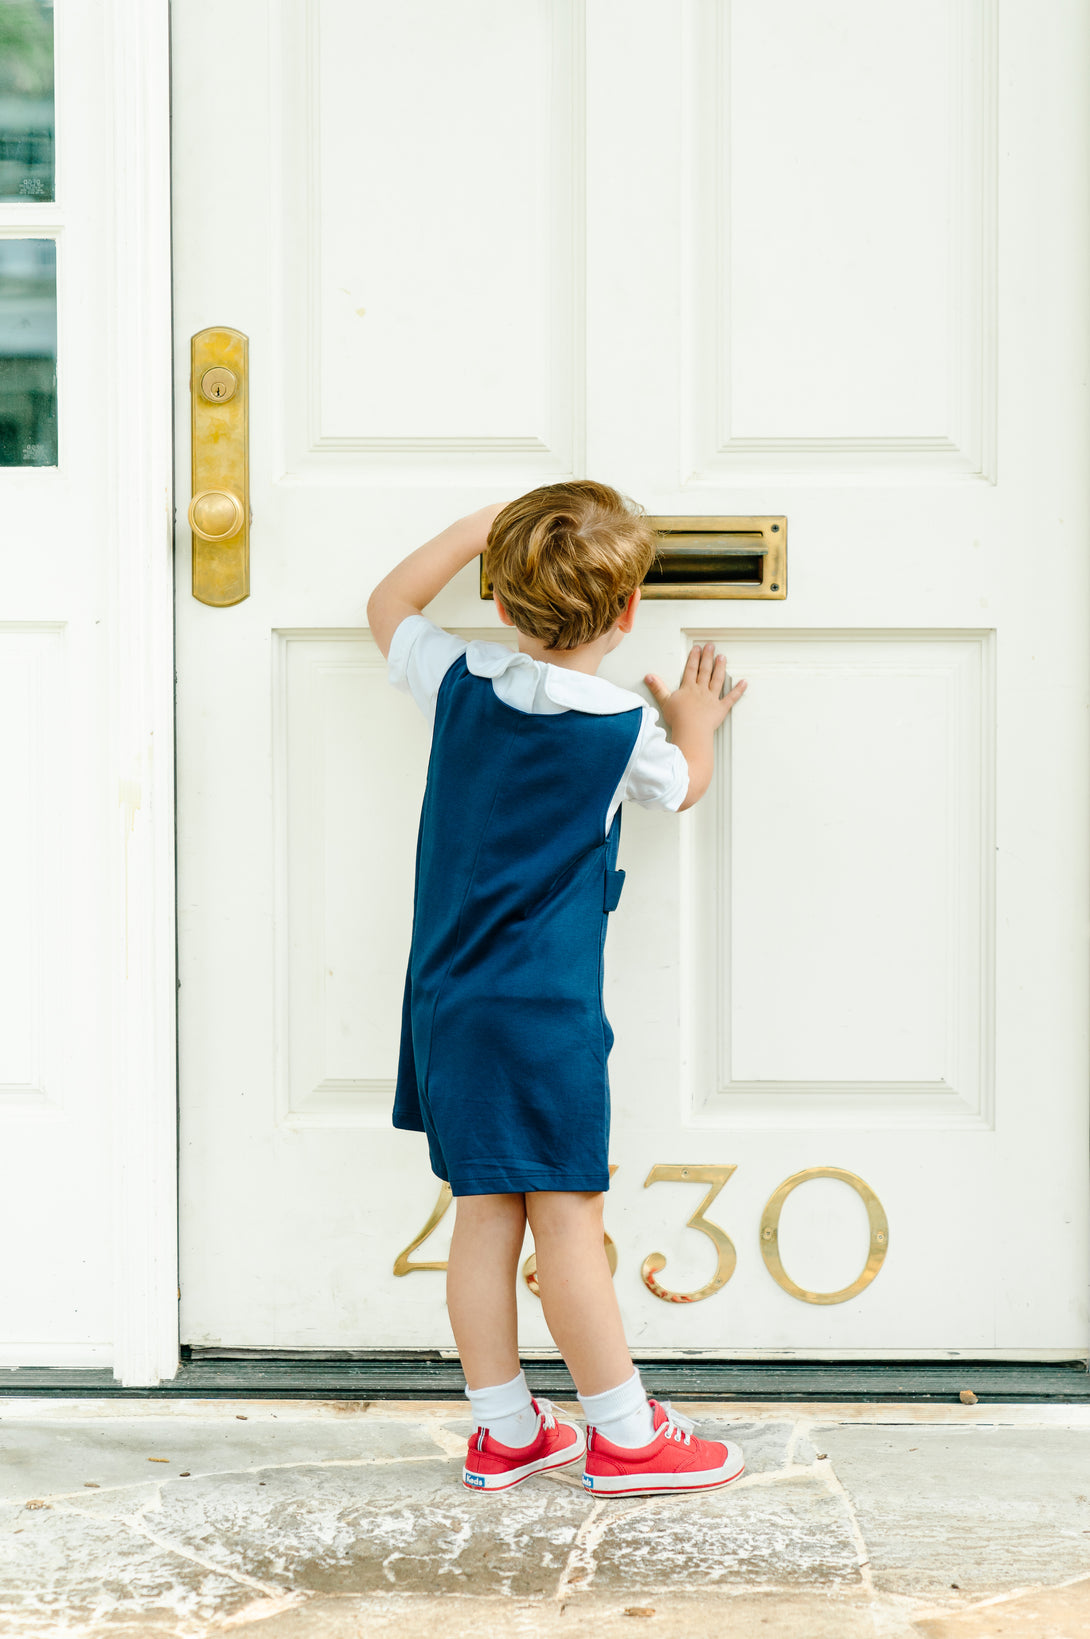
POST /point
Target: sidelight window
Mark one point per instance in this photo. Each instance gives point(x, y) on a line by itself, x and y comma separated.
point(28, 262)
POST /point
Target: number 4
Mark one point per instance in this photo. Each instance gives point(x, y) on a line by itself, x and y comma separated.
point(403, 1264)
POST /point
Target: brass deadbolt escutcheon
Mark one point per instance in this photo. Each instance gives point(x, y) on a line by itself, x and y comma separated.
point(219, 384)
point(219, 513)
point(215, 515)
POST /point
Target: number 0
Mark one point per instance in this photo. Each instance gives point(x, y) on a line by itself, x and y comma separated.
point(877, 1223)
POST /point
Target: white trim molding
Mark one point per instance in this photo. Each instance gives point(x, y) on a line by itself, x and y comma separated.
point(136, 68)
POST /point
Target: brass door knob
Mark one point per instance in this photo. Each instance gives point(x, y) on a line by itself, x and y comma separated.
point(215, 515)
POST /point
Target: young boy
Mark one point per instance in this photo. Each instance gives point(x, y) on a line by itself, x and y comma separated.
point(504, 1039)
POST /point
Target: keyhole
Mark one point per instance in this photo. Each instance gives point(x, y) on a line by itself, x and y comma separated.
point(219, 384)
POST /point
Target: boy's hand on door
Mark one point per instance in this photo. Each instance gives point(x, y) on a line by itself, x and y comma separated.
point(698, 704)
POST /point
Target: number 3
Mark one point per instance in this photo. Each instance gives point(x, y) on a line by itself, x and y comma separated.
point(726, 1257)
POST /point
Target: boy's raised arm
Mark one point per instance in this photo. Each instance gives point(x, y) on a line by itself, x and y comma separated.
point(411, 584)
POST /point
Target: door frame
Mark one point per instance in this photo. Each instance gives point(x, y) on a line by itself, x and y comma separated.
point(143, 1186)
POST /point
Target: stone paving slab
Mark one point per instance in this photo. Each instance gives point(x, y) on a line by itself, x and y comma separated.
point(63, 1572)
point(743, 1616)
point(973, 1509)
point(45, 1459)
point(1046, 1613)
point(792, 1535)
point(411, 1527)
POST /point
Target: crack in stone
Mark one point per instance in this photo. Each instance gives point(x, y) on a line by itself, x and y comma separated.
point(827, 1473)
point(792, 1445)
point(455, 1445)
point(775, 1476)
point(579, 1565)
point(259, 1610)
point(993, 1599)
point(138, 1525)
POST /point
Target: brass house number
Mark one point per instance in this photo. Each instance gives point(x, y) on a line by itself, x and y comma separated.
point(725, 1256)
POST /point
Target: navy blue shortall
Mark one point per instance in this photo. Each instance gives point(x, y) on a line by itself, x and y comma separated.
point(504, 1036)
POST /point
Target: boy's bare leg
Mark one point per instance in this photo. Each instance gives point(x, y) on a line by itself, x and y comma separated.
point(481, 1274)
point(577, 1290)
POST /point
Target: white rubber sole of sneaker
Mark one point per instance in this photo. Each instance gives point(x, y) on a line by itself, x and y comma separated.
point(655, 1485)
point(515, 1476)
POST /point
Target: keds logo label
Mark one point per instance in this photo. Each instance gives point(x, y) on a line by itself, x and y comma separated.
point(475, 1479)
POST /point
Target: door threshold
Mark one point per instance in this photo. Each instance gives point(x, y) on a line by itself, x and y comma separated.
point(428, 1376)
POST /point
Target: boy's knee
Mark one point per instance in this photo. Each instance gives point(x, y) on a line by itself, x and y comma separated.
point(490, 1208)
point(564, 1210)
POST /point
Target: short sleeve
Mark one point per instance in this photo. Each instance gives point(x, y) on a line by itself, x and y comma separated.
point(657, 775)
point(420, 656)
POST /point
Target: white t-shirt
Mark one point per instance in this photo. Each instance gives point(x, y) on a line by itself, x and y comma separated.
point(421, 653)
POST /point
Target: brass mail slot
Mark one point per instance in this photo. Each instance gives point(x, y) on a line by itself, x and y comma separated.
point(713, 558)
point(719, 558)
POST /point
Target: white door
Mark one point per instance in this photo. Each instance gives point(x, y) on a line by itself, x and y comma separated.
point(759, 258)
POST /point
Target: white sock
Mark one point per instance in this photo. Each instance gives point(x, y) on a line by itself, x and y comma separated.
point(621, 1415)
point(505, 1411)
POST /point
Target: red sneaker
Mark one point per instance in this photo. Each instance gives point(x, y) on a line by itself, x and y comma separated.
point(673, 1461)
point(490, 1466)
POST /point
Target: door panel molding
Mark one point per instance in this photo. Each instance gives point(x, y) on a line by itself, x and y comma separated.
point(749, 286)
point(911, 848)
point(396, 331)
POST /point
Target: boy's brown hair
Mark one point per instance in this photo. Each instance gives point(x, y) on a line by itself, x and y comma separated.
point(564, 560)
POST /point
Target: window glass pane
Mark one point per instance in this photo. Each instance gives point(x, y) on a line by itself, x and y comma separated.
point(26, 99)
point(28, 352)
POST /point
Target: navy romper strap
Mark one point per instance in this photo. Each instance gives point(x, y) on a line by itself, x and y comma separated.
point(504, 1037)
